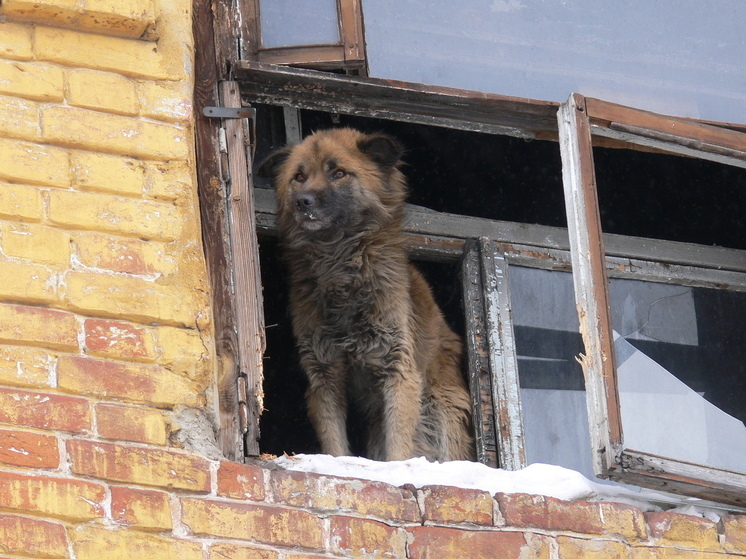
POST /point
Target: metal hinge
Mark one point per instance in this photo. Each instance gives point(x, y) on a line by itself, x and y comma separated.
point(227, 112)
point(240, 112)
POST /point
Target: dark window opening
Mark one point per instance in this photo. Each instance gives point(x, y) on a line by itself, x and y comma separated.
point(284, 425)
point(670, 197)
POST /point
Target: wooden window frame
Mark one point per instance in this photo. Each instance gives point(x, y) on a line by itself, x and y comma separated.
point(580, 119)
point(348, 54)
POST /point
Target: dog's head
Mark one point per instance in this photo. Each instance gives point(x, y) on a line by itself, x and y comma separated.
point(338, 180)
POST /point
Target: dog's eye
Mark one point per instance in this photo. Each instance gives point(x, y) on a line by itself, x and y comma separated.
point(299, 177)
point(339, 174)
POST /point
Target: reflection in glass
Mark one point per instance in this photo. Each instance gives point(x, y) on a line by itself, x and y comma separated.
point(681, 365)
point(681, 359)
point(552, 387)
point(288, 23)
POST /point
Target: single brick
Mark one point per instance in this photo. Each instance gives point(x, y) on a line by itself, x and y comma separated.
point(125, 216)
point(324, 493)
point(19, 201)
point(166, 100)
point(45, 12)
point(432, 542)
point(34, 163)
point(44, 410)
point(121, 340)
point(26, 366)
point(130, 423)
point(362, 537)
point(574, 548)
point(444, 505)
point(92, 89)
point(240, 481)
point(19, 118)
point(129, 256)
point(734, 529)
point(223, 550)
point(94, 542)
point(31, 80)
point(257, 523)
point(31, 537)
point(144, 466)
point(30, 283)
point(28, 450)
point(71, 499)
point(169, 180)
point(683, 530)
point(182, 350)
point(131, 299)
point(107, 173)
point(15, 41)
point(532, 511)
point(40, 327)
point(142, 508)
point(35, 242)
point(134, 19)
point(84, 50)
point(97, 131)
point(149, 384)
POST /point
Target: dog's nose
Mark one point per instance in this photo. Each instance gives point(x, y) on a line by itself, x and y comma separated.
point(305, 201)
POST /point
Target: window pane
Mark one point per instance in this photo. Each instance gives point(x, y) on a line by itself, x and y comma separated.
point(681, 365)
point(683, 58)
point(552, 387)
point(288, 23)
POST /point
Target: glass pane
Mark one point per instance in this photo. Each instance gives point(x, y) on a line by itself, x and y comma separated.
point(681, 365)
point(287, 23)
point(552, 387)
point(682, 58)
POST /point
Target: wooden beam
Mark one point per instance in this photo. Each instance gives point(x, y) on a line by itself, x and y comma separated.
point(666, 134)
point(395, 100)
point(247, 283)
point(506, 390)
point(213, 213)
point(591, 284)
point(477, 357)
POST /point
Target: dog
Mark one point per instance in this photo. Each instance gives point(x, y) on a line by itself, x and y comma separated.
point(368, 331)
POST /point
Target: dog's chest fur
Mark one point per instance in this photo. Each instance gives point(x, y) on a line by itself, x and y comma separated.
point(351, 293)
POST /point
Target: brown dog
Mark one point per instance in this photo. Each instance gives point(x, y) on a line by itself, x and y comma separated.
point(369, 332)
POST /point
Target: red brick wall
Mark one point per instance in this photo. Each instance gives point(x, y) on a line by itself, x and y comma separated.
point(90, 500)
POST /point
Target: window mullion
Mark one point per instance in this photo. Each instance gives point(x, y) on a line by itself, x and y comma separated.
point(591, 284)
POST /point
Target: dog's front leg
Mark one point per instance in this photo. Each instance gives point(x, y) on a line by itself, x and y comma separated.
point(402, 395)
point(327, 408)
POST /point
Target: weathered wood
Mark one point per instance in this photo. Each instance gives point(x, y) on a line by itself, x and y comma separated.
point(666, 474)
point(423, 221)
point(506, 390)
point(443, 106)
point(477, 353)
point(351, 32)
point(659, 142)
point(678, 130)
point(247, 290)
point(214, 219)
point(591, 284)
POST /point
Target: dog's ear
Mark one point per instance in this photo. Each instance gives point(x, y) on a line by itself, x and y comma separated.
point(268, 167)
point(383, 149)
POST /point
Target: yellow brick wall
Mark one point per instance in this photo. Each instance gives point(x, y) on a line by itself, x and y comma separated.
point(103, 286)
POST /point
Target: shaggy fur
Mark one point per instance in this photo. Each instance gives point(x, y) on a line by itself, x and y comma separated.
point(369, 332)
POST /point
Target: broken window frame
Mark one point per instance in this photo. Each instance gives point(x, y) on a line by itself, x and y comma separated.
point(581, 120)
point(348, 54)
